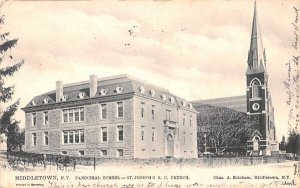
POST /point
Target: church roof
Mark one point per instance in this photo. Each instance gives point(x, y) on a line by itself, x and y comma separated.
point(113, 87)
point(237, 103)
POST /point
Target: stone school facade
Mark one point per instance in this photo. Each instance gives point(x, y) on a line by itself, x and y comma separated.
point(111, 117)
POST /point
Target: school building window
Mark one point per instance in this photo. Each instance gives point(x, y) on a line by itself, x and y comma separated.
point(46, 118)
point(120, 109)
point(33, 139)
point(153, 134)
point(46, 139)
point(142, 109)
point(142, 135)
point(73, 136)
point(104, 134)
point(103, 111)
point(120, 133)
point(73, 115)
point(153, 112)
point(34, 119)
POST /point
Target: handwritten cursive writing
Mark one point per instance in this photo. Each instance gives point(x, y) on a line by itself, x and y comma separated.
point(296, 29)
point(291, 83)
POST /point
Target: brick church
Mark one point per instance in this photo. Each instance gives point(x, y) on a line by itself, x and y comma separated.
point(257, 101)
point(117, 116)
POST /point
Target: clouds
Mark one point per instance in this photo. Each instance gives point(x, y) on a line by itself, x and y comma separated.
point(196, 49)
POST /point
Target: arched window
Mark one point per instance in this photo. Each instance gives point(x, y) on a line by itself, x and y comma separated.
point(255, 89)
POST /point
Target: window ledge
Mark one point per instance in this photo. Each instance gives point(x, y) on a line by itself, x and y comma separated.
point(73, 144)
point(254, 99)
point(74, 122)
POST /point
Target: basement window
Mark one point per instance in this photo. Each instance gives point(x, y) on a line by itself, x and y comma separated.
point(103, 152)
point(119, 152)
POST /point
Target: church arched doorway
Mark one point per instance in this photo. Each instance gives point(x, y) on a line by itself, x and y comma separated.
point(256, 144)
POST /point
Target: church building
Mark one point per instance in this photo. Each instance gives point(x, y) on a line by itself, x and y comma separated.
point(257, 101)
point(117, 116)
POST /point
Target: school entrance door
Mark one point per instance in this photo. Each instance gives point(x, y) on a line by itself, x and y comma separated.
point(170, 145)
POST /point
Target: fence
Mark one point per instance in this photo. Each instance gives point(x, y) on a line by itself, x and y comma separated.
point(31, 161)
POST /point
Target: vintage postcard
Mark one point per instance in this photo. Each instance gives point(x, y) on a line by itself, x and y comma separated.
point(149, 94)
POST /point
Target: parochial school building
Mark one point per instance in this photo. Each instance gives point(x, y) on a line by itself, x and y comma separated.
point(111, 117)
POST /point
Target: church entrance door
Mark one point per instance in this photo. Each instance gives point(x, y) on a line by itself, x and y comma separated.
point(256, 144)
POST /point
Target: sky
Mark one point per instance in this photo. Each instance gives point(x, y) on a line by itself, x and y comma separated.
point(196, 49)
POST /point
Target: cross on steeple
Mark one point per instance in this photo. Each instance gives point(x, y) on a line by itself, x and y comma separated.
point(256, 54)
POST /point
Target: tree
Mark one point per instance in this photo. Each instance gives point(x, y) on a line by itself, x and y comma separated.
point(282, 144)
point(8, 66)
point(224, 128)
point(21, 139)
point(293, 143)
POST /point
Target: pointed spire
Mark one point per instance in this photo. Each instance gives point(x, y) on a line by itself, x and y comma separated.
point(256, 54)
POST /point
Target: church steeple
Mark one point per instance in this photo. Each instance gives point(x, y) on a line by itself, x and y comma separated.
point(256, 54)
point(258, 95)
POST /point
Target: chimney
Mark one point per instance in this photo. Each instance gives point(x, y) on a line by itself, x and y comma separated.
point(93, 85)
point(59, 90)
